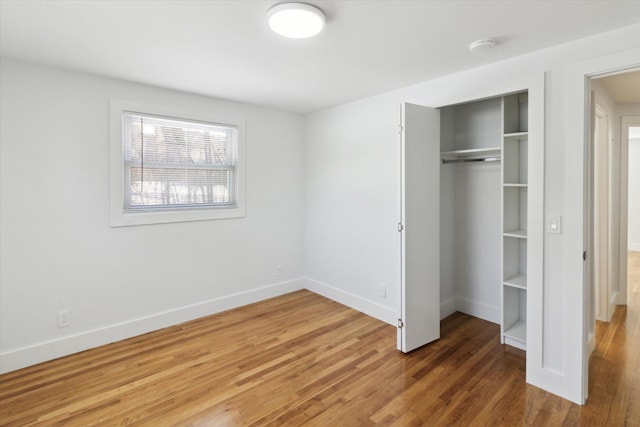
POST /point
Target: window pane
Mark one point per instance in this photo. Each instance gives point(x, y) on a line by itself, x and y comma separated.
point(164, 140)
point(175, 187)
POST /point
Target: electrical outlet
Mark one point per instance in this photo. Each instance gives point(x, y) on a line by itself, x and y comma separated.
point(64, 318)
point(277, 271)
point(382, 290)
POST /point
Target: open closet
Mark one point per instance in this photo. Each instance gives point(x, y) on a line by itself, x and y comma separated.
point(478, 235)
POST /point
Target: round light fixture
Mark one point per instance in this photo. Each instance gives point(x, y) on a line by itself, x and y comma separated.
point(296, 20)
point(482, 45)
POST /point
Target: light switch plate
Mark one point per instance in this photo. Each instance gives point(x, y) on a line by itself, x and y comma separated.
point(555, 224)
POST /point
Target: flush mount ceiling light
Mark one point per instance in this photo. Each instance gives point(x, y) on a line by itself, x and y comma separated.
point(296, 20)
point(482, 45)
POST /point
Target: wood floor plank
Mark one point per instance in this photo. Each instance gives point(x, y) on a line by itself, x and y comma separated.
point(303, 360)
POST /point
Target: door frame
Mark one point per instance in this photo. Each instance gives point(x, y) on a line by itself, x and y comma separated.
point(577, 114)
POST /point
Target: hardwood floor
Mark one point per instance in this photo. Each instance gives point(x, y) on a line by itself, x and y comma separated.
point(301, 359)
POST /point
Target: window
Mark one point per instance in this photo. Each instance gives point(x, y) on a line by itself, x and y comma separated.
point(170, 163)
point(167, 168)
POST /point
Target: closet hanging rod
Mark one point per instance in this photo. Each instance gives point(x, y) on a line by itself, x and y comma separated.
point(484, 159)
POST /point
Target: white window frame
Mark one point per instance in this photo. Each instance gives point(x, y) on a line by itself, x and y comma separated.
point(120, 216)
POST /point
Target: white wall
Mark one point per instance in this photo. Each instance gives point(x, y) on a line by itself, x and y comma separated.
point(634, 195)
point(353, 191)
point(353, 205)
point(58, 251)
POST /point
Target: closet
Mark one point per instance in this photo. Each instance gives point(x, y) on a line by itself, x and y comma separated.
point(478, 255)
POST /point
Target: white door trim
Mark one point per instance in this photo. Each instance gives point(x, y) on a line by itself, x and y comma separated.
point(601, 224)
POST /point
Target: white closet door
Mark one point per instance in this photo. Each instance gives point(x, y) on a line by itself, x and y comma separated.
point(420, 235)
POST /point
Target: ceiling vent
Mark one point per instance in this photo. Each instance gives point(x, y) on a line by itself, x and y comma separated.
point(482, 45)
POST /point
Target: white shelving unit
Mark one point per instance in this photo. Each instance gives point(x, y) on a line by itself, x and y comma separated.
point(517, 281)
point(515, 140)
point(484, 208)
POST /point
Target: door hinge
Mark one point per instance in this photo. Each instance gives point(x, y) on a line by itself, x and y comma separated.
point(400, 323)
point(584, 255)
point(400, 129)
point(400, 227)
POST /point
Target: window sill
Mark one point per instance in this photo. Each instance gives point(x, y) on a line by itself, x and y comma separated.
point(123, 219)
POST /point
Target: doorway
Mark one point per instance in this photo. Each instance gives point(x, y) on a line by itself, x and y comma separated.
point(611, 189)
point(577, 251)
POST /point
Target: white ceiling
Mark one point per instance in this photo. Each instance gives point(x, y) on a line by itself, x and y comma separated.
point(224, 48)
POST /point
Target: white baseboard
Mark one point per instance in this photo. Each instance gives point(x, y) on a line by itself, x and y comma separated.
point(472, 308)
point(26, 356)
point(620, 298)
point(633, 246)
point(363, 305)
point(447, 307)
point(388, 315)
point(30, 355)
point(592, 343)
point(478, 309)
point(612, 303)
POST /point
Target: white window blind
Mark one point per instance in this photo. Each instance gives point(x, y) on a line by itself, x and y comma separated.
point(177, 164)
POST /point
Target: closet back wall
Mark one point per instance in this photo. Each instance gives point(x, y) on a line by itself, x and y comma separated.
point(470, 255)
point(58, 251)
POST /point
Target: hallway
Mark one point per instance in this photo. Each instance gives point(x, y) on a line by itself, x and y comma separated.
point(614, 370)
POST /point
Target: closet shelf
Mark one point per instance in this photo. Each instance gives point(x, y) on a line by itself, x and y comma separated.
point(472, 152)
point(516, 136)
point(517, 331)
point(514, 184)
point(519, 234)
point(518, 281)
